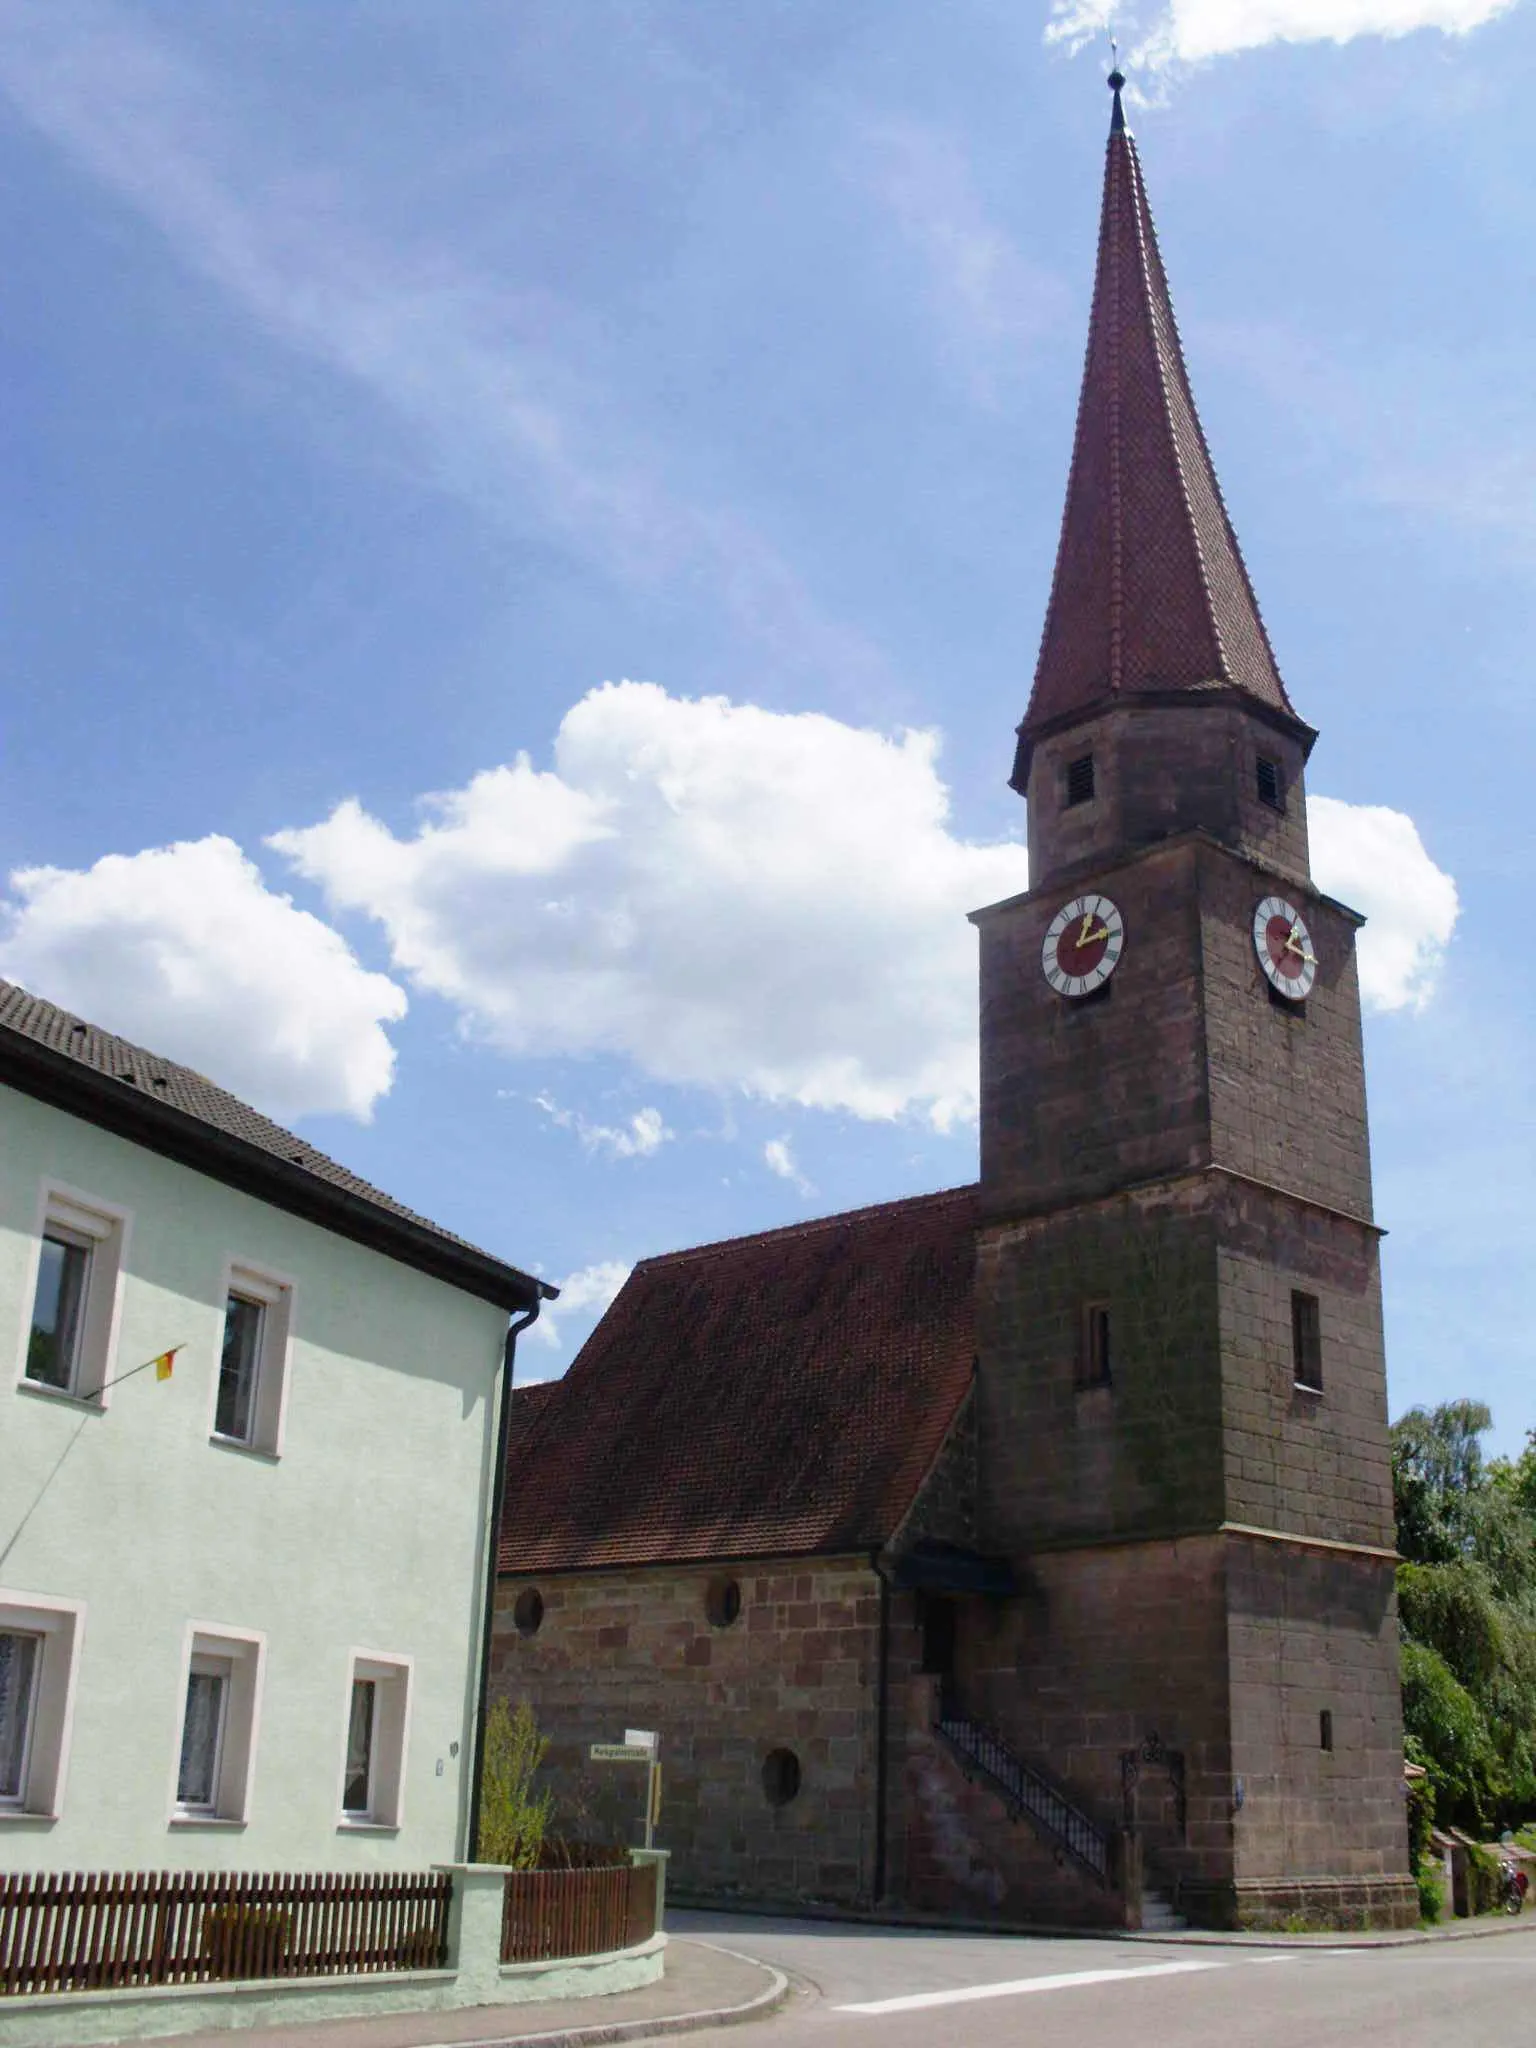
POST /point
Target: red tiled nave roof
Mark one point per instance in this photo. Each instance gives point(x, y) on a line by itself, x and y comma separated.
point(772, 1395)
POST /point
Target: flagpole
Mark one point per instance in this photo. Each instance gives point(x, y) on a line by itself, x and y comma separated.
point(117, 1379)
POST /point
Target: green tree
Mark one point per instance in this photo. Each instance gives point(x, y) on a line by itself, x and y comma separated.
point(1437, 1470)
point(1467, 1603)
point(1443, 1719)
point(513, 1817)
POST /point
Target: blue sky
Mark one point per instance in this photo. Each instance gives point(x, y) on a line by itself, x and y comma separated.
point(528, 529)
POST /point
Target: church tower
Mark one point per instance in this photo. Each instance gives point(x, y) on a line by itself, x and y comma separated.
point(1181, 1383)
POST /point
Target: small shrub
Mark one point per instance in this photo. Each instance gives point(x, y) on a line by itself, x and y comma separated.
point(1482, 1879)
point(1431, 1898)
point(252, 1939)
point(513, 1818)
point(559, 1852)
point(1421, 1817)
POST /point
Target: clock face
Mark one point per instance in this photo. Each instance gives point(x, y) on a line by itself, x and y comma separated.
point(1284, 947)
point(1083, 944)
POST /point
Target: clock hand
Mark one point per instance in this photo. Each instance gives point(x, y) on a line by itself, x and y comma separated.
point(1089, 938)
point(1294, 945)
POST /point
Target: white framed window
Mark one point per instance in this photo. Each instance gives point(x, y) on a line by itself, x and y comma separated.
point(250, 1386)
point(71, 1329)
point(39, 1655)
point(220, 1714)
point(378, 1709)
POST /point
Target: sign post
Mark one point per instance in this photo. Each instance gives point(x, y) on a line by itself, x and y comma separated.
point(640, 1746)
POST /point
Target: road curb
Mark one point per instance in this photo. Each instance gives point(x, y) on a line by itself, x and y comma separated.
point(1338, 1939)
point(1186, 1937)
point(767, 2001)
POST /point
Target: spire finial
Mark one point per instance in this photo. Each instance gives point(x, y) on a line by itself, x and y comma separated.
point(1116, 85)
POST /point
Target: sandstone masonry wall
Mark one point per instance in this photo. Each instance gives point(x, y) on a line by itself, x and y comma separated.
point(795, 1671)
point(1158, 769)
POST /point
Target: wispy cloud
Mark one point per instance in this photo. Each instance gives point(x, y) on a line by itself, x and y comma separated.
point(987, 301)
point(1442, 438)
point(465, 364)
point(780, 1159)
point(1191, 31)
point(638, 1137)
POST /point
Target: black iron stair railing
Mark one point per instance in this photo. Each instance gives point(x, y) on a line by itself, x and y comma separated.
point(1026, 1791)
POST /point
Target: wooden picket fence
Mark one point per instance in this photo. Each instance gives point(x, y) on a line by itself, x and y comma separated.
point(549, 1913)
point(70, 1932)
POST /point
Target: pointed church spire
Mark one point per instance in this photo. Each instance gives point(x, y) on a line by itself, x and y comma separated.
point(1150, 592)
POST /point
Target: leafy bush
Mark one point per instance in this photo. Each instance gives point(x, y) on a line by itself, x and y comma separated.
point(561, 1853)
point(234, 1933)
point(1444, 1721)
point(1431, 1898)
point(1421, 1815)
point(1483, 1880)
point(513, 1818)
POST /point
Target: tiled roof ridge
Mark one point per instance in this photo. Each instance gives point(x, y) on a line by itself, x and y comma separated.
point(778, 1233)
point(171, 1093)
point(535, 1391)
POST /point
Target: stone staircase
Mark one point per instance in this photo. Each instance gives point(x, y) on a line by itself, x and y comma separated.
point(1158, 1915)
point(1026, 1791)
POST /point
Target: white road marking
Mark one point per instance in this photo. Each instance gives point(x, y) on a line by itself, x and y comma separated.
point(919, 2001)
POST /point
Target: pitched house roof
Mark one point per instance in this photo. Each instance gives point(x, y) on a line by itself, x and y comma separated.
point(60, 1058)
point(1150, 591)
point(783, 1394)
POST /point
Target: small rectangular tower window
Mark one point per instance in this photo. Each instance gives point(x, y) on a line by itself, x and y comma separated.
point(1271, 788)
point(1093, 1346)
point(1080, 780)
point(1307, 1341)
point(1325, 1729)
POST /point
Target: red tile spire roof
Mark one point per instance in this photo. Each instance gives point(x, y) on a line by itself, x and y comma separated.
point(1150, 591)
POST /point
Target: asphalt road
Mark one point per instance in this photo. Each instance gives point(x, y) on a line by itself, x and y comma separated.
point(888, 1988)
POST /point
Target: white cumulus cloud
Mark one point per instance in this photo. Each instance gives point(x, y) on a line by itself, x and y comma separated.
point(1188, 31)
point(184, 949)
point(725, 896)
point(584, 1296)
point(747, 900)
point(1373, 859)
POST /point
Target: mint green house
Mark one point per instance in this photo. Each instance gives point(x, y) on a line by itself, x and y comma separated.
point(249, 1414)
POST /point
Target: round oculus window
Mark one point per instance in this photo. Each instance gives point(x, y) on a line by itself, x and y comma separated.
point(722, 1602)
point(781, 1776)
point(528, 1611)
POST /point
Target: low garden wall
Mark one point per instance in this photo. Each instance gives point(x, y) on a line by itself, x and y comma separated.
point(97, 1958)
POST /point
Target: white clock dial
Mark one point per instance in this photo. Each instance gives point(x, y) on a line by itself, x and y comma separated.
point(1082, 945)
point(1284, 946)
